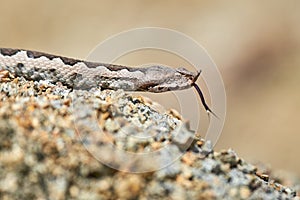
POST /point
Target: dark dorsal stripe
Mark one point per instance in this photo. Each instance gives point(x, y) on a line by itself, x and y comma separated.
point(67, 61)
point(8, 52)
point(36, 54)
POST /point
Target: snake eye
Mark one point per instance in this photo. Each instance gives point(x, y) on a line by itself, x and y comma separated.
point(159, 88)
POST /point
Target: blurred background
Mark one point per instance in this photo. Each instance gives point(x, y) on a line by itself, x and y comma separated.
point(255, 44)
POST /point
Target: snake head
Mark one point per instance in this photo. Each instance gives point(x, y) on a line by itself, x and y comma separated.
point(179, 79)
point(162, 79)
point(191, 75)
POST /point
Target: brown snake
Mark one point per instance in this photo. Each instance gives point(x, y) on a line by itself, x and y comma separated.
point(80, 74)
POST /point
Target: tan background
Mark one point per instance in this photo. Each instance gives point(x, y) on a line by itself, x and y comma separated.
point(255, 44)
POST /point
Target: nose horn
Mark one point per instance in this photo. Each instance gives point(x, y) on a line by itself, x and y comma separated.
point(197, 76)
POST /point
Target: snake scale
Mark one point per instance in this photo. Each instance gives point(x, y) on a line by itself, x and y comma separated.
point(79, 74)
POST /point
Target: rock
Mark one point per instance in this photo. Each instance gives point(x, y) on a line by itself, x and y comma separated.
point(53, 144)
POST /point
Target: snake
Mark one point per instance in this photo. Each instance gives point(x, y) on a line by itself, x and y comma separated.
point(80, 74)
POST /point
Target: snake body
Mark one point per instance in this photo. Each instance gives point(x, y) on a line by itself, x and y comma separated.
point(79, 74)
point(75, 73)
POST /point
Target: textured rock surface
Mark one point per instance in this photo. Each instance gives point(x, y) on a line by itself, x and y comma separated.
point(44, 137)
